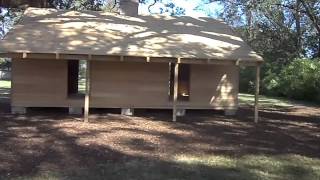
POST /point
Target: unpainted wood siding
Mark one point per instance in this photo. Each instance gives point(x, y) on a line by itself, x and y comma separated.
point(43, 83)
point(129, 84)
point(215, 86)
point(40, 83)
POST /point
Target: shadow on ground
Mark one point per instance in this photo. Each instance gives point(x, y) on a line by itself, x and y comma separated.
point(202, 145)
point(4, 100)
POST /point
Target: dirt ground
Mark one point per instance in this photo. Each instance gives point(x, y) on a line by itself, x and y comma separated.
point(49, 140)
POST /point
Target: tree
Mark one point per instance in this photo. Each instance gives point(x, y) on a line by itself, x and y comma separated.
point(21, 3)
point(312, 10)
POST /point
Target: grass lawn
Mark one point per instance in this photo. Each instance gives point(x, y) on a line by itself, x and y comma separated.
point(293, 167)
point(5, 87)
point(264, 101)
point(288, 166)
point(5, 84)
point(271, 102)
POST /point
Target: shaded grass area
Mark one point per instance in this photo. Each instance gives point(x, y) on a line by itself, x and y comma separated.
point(214, 167)
point(256, 166)
point(148, 146)
point(271, 102)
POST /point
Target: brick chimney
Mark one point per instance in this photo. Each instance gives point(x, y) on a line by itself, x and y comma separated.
point(129, 7)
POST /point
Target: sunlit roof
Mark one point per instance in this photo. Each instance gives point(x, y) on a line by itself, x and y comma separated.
point(98, 33)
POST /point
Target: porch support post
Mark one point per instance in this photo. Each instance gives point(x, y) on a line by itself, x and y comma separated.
point(87, 95)
point(175, 91)
point(256, 97)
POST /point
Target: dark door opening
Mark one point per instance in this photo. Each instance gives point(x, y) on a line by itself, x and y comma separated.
point(76, 78)
point(183, 81)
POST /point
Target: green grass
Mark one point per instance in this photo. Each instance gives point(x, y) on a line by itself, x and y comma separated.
point(82, 86)
point(256, 166)
point(5, 84)
point(248, 167)
point(270, 102)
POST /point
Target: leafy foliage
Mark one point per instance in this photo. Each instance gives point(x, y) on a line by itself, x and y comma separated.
point(172, 9)
point(298, 80)
point(283, 32)
point(301, 80)
point(8, 16)
point(5, 64)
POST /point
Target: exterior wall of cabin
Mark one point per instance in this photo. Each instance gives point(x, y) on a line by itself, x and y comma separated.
point(40, 83)
point(129, 84)
point(215, 86)
point(43, 83)
point(145, 85)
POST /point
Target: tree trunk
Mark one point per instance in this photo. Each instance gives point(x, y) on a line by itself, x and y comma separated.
point(249, 23)
point(319, 45)
point(311, 15)
point(297, 16)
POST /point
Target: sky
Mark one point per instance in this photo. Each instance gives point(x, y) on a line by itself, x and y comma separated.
point(5, 22)
point(194, 8)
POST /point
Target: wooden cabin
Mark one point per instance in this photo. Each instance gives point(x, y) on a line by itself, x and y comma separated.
point(157, 62)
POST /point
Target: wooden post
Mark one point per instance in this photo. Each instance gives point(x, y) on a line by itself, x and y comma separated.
point(175, 91)
point(87, 95)
point(256, 97)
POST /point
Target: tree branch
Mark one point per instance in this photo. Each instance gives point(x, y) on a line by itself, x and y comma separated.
point(114, 4)
point(154, 2)
point(312, 17)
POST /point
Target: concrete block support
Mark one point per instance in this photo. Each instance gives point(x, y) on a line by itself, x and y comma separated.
point(127, 111)
point(18, 110)
point(230, 112)
point(181, 112)
point(75, 110)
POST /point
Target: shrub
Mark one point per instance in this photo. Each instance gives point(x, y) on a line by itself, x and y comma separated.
point(247, 77)
point(301, 80)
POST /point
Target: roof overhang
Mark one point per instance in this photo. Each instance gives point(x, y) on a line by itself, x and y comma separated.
point(43, 33)
point(120, 58)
